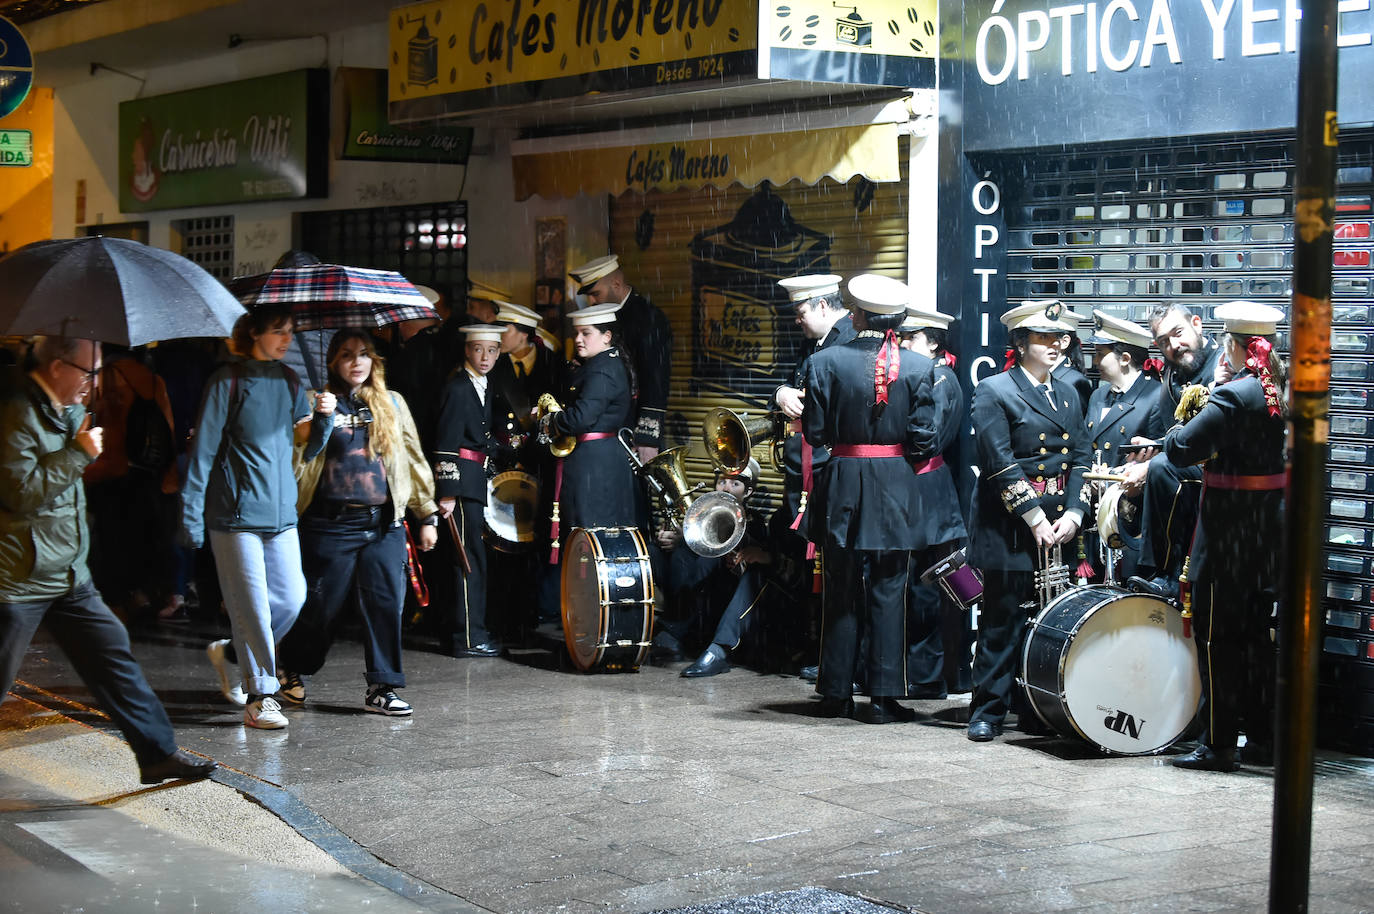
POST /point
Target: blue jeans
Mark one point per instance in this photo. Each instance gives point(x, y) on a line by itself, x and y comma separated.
point(97, 644)
point(263, 587)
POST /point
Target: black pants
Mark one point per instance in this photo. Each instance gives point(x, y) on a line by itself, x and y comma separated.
point(1001, 634)
point(97, 644)
point(852, 612)
point(1168, 516)
point(1236, 659)
point(131, 537)
point(360, 555)
point(463, 622)
point(928, 612)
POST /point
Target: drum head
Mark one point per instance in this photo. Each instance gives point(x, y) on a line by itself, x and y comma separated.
point(1130, 675)
point(584, 598)
point(512, 502)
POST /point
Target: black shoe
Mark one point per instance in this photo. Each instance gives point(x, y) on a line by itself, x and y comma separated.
point(485, 649)
point(931, 692)
point(180, 764)
point(884, 710)
point(1204, 759)
point(1258, 752)
point(983, 731)
point(1160, 587)
point(711, 662)
point(835, 707)
point(810, 673)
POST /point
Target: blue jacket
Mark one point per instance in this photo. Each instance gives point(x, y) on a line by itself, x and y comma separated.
point(240, 476)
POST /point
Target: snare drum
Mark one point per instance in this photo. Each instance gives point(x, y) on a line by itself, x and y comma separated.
point(608, 598)
point(512, 503)
point(960, 581)
point(1113, 667)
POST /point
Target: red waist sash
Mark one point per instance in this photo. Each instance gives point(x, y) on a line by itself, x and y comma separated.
point(867, 450)
point(594, 436)
point(475, 456)
point(928, 466)
point(1245, 483)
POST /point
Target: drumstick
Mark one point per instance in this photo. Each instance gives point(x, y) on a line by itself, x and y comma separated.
point(458, 542)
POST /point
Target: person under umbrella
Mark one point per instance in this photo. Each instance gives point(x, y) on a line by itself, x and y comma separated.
point(353, 498)
point(240, 486)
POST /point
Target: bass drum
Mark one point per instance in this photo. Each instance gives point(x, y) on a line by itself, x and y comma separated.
point(608, 598)
point(1114, 668)
point(512, 504)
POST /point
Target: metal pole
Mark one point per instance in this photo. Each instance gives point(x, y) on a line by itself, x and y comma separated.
point(1300, 612)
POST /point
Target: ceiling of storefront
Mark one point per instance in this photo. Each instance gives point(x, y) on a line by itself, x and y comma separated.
point(22, 11)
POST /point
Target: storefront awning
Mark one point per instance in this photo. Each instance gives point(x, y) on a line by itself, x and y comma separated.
point(838, 152)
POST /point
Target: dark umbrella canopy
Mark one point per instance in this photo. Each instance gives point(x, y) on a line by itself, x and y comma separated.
point(112, 290)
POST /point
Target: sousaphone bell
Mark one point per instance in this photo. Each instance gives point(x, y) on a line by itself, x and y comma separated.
point(714, 524)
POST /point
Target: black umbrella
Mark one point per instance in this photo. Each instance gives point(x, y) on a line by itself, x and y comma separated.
point(111, 290)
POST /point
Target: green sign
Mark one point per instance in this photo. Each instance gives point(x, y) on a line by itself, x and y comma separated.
point(16, 67)
point(257, 139)
point(16, 148)
point(368, 135)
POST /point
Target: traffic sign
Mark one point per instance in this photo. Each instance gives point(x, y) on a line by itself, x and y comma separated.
point(16, 67)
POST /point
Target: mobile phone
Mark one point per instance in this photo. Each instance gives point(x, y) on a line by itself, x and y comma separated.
point(1141, 447)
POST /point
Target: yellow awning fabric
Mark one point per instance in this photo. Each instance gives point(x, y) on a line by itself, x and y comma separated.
point(839, 153)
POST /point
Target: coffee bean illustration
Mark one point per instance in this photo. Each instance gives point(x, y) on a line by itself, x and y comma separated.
point(395, 58)
point(437, 14)
point(784, 12)
point(813, 21)
point(733, 34)
point(893, 27)
point(912, 16)
point(596, 56)
point(634, 53)
point(809, 39)
point(916, 45)
point(786, 32)
point(930, 29)
point(452, 41)
point(452, 75)
point(403, 88)
point(687, 41)
point(563, 63)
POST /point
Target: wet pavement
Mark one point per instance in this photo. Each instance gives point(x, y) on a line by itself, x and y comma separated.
point(518, 786)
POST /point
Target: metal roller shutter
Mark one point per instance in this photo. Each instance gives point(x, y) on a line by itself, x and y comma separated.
point(734, 335)
point(1200, 222)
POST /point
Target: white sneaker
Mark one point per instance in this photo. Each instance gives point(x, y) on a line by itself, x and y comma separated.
point(381, 700)
point(231, 690)
point(264, 713)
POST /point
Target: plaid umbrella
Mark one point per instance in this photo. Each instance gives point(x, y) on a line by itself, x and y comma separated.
point(328, 295)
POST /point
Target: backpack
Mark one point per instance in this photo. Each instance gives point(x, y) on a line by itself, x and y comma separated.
point(147, 436)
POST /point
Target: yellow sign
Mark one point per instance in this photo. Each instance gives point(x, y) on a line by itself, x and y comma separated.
point(485, 53)
point(839, 153)
point(871, 42)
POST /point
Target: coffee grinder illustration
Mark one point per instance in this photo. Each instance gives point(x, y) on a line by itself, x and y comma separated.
point(422, 56)
point(853, 29)
point(743, 325)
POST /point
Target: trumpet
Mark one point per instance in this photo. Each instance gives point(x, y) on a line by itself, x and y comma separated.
point(561, 445)
point(730, 437)
point(1052, 578)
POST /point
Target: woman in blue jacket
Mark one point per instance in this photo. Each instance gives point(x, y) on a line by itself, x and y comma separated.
point(241, 487)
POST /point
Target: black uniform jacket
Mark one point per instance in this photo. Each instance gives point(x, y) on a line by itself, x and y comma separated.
point(842, 332)
point(1066, 373)
point(1238, 531)
point(940, 518)
point(649, 343)
point(598, 483)
point(463, 421)
point(868, 503)
point(1172, 388)
point(520, 394)
point(1021, 440)
point(1129, 417)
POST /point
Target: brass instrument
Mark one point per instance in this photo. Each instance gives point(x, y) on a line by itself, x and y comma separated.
point(1052, 578)
point(714, 524)
point(666, 475)
point(562, 445)
point(730, 437)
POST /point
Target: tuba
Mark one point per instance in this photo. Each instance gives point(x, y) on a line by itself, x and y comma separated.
point(714, 524)
point(730, 437)
point(562, 445)
point(666, 475)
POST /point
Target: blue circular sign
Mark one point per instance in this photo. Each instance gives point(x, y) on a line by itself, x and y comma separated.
point(16, 67)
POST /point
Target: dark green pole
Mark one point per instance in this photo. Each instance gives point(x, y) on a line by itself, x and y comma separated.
point(1300, 611)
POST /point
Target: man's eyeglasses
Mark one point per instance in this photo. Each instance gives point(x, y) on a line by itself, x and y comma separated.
point(90, 373)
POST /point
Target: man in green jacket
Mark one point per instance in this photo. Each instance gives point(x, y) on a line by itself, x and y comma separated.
point(46, 441)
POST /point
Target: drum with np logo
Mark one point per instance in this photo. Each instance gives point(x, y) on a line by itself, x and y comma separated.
point(512, 503)
point(1113, 667)
point(608, 598)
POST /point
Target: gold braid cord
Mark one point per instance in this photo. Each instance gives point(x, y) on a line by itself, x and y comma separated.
point(1191, 401)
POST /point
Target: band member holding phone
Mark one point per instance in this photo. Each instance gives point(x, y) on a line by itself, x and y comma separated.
point(1032, 454)
point(1234, 561)
point(1118, 412)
